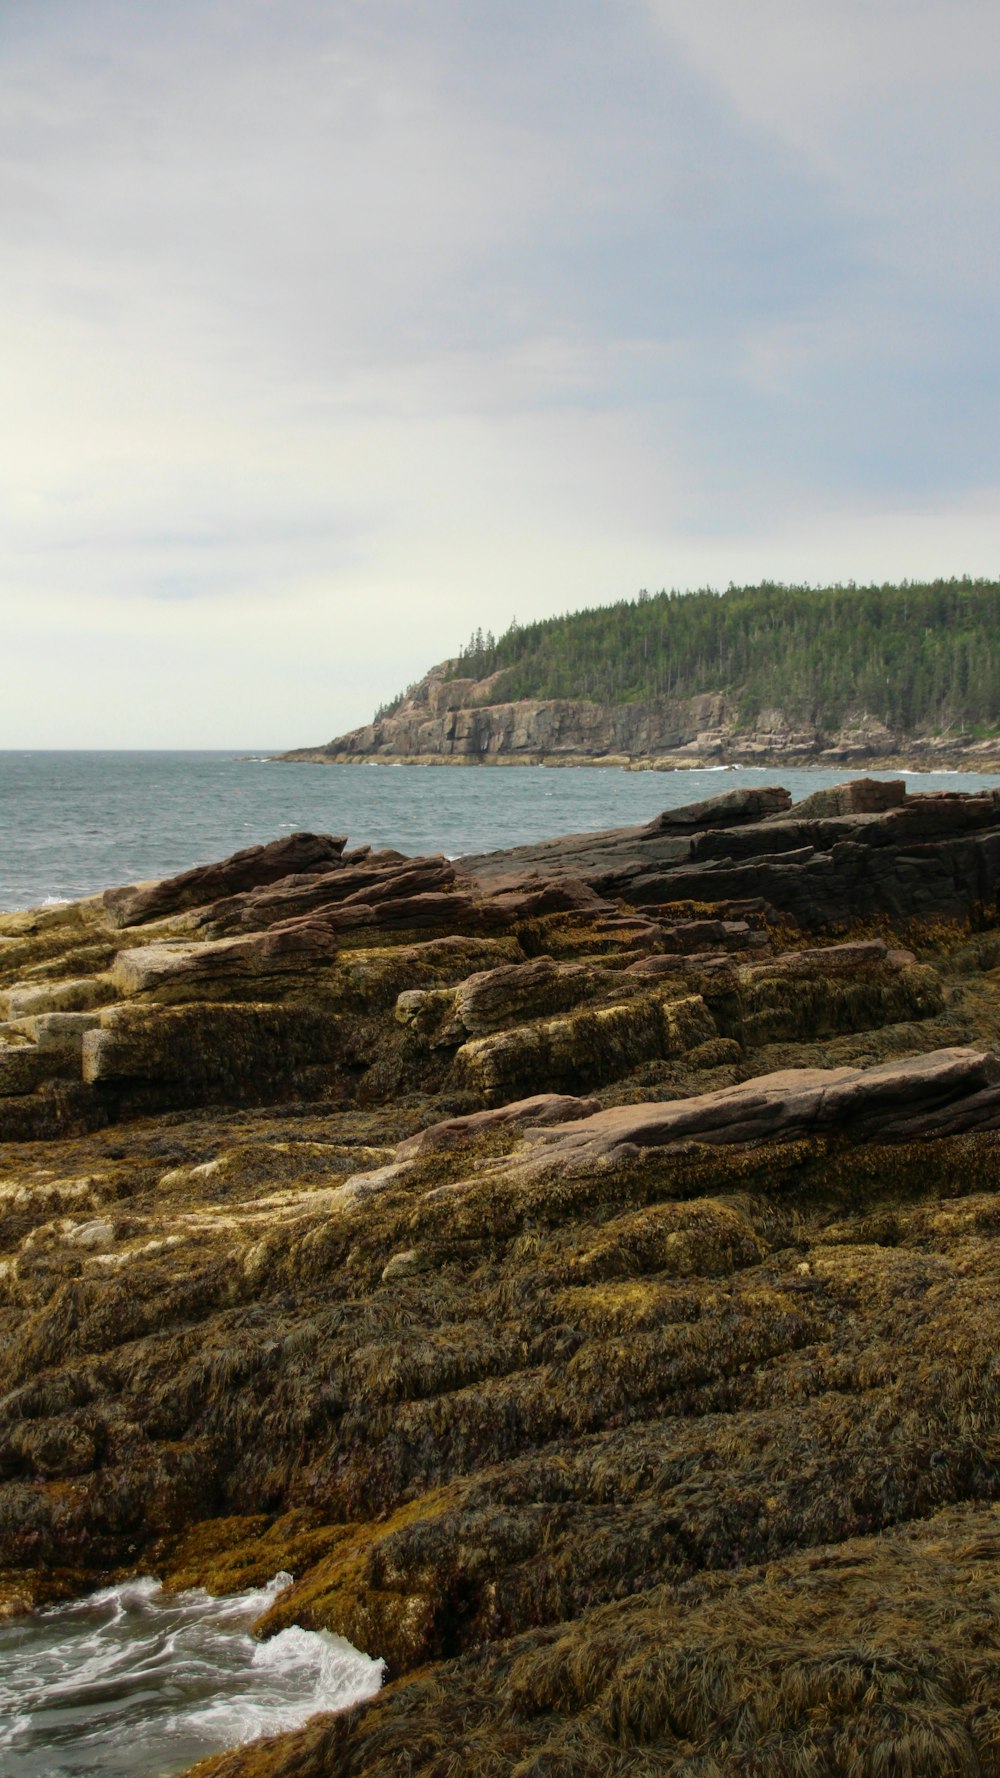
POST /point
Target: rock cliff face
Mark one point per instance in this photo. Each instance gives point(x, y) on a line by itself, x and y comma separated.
point(576, 1266)
point(464, 721)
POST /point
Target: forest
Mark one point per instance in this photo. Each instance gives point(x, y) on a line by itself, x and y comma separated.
point(921, 656)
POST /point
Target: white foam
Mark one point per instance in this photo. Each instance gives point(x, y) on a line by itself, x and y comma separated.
point(121, 1680)
point(340, 1675)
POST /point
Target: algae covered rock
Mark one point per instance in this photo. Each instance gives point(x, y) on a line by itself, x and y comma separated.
point(584, 1285)
point(208, 1051)
point(588, 1048)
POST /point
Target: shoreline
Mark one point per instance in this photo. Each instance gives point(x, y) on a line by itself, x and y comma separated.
point(928, 762)
point(525, 1255)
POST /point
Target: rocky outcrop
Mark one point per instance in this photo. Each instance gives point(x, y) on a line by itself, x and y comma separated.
point(379, 881)
point(192, 1055)
point(588, 1048)
point(919, 857)
point(584, 1287)
point(467, 721)
point(568, 964)
point(248, 870)
point(499, 1023)
point(610, 855)
point(909, 1098)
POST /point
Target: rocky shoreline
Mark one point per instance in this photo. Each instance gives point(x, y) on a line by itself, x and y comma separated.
point(975, 760)
point(577, 1265)
point(449, 721)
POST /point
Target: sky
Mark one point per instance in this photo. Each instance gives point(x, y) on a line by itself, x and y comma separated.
point(333, 330)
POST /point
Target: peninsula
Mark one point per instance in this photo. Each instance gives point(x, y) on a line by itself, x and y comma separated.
point(892, 676)
point(575, 1265)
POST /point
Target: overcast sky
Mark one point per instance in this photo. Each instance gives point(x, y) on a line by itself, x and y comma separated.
point(333, 329)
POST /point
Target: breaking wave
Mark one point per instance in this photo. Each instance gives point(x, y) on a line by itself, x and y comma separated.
point(134, 1680)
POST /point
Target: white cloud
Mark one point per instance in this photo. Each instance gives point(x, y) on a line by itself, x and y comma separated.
point(331, 330)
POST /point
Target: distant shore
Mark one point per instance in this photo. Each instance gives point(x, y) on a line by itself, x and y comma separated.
point(921, 760)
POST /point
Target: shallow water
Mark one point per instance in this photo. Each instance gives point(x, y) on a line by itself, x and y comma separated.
point(73, 823)
point(131, 1680)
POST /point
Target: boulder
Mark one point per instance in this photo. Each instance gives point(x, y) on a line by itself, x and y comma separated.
point(605, 860)
point(860, 796)
point(237, 966)
point(507, 996)
point(422, 912)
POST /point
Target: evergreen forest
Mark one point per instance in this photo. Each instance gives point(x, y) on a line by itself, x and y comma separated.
point(921, 656)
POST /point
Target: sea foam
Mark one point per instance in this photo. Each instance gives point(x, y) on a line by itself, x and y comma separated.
point(134, 1680)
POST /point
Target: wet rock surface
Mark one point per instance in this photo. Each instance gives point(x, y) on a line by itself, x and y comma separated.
point(588, 1290)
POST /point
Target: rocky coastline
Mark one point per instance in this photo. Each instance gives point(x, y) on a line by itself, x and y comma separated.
point(576, 1265)
point(446, 721)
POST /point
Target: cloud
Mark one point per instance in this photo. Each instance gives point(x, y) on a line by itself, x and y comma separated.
point(333, 328)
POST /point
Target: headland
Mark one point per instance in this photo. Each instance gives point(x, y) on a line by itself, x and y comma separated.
point(861, 678)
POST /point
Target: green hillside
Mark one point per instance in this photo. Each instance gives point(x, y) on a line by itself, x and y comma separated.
point(921, 656)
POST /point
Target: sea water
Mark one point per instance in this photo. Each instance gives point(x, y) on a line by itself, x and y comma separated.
point(73, 823)
point(133, 1680)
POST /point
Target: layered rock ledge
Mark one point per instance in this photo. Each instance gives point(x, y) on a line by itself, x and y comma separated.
point(461, 721)
point(578, 1266)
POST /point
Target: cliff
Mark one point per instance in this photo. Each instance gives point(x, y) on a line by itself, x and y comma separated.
point(446, 721)
point(770, 674)
point(575, 1265)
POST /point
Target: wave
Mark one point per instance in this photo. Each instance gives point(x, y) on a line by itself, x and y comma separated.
point(134, 1680)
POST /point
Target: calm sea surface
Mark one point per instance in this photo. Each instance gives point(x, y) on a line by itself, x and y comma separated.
point(72, 823)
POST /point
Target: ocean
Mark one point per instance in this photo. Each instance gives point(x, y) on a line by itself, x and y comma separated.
point(74, 823)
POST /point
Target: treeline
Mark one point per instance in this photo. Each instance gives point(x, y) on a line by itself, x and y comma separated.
point(922, 656)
